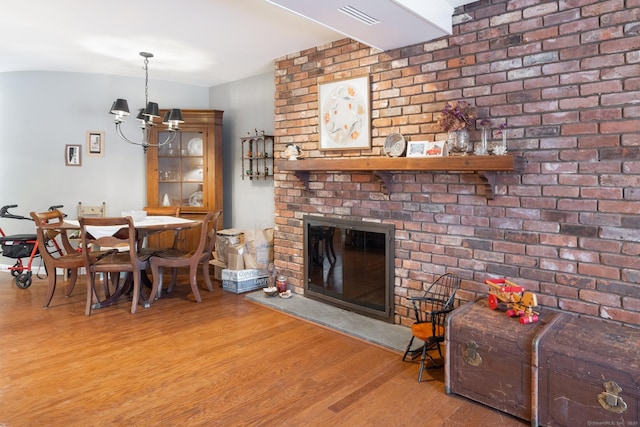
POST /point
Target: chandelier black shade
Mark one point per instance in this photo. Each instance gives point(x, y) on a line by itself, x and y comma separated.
point(172, 119)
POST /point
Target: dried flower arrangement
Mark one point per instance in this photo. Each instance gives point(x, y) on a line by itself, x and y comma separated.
point(486, 124)
point(501, 149)
point(456, 116)
point(500, 129)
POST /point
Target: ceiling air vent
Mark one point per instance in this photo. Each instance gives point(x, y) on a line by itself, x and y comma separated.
point(358, 15)
point(399, 23)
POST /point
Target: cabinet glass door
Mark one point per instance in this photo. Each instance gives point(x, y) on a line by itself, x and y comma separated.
point(180, 169)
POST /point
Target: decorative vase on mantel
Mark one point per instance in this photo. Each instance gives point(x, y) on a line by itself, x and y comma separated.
point(483, 148)
point(452, 141)
point(501, 147)
point(458, 142)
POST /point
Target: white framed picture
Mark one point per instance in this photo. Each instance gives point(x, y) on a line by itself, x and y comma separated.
point(427, 149)
point(72, 155)
point(95, 143)
point(343, 107)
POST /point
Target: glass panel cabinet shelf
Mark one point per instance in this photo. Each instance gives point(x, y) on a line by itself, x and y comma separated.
point(187, 171)
point(181, 170)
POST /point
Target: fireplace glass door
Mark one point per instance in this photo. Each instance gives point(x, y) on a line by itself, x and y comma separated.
point(350, 264)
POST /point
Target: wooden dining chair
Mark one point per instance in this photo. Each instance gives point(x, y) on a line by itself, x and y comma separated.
point(159, 241)
point(54, 257)
point(97, 211)
point(175, 258)
point(112, 262)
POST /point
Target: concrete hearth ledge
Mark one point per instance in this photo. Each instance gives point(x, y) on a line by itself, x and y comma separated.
point(393, 337)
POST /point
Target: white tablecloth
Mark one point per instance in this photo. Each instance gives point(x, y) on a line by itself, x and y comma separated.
point(149, 221)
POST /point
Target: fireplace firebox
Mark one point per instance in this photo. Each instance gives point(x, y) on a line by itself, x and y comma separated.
point(350, 264)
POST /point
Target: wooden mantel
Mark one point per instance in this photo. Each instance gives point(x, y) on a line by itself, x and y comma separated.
point(486, 167)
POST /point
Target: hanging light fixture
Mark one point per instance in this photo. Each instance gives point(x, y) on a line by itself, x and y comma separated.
point(171, 119)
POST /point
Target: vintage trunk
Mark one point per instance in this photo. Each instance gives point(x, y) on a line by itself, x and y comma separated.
point(588, 374)
point(489, 356)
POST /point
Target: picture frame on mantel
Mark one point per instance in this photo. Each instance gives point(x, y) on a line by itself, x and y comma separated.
point(427, 149)
point(344, 110)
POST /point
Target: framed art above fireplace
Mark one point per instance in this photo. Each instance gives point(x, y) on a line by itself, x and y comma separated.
point(344, 114)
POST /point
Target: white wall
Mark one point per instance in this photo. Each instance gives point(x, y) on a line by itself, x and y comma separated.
point(248, 104)
point(40, 112)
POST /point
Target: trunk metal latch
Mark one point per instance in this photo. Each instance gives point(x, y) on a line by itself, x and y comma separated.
point(610, 399)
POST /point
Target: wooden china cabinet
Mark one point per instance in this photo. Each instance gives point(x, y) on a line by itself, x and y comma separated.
point(187, 171)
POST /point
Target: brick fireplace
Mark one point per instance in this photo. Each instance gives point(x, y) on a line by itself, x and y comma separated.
point(563, 75)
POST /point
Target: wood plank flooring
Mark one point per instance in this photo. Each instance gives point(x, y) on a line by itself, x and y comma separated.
point(224, 362)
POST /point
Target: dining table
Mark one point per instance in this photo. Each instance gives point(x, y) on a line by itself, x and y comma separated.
point(151, 224)
point(144, 227)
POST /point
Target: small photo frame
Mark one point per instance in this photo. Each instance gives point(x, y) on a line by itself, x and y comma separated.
point(73, 155)
point(95, 143)
point(344, 114)
point(427, 149)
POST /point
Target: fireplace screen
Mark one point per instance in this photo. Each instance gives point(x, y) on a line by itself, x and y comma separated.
point(350, 264)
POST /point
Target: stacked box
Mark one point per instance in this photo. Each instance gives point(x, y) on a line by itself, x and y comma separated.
point(218, 266)
point(239, 281)
point(226, 238)
point(235, 257)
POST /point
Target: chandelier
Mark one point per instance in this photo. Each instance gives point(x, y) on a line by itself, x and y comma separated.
point(172, 118)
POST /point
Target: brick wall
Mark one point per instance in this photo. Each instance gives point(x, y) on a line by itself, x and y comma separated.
point(565, 76)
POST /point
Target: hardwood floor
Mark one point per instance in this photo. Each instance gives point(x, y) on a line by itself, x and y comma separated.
point(226, 362)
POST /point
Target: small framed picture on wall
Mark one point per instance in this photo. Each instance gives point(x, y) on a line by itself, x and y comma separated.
point(72, 155)
point(95, 143)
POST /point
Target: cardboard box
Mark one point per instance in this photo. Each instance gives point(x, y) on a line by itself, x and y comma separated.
point(218, 266)
point(226, 238)
point(239, 281)
point(235, 257)
point(237, 275)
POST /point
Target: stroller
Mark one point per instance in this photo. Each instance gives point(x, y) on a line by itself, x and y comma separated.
point(19, 246)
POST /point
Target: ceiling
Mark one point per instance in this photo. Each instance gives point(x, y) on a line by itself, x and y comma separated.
point(382, 24)
point(199, 42)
